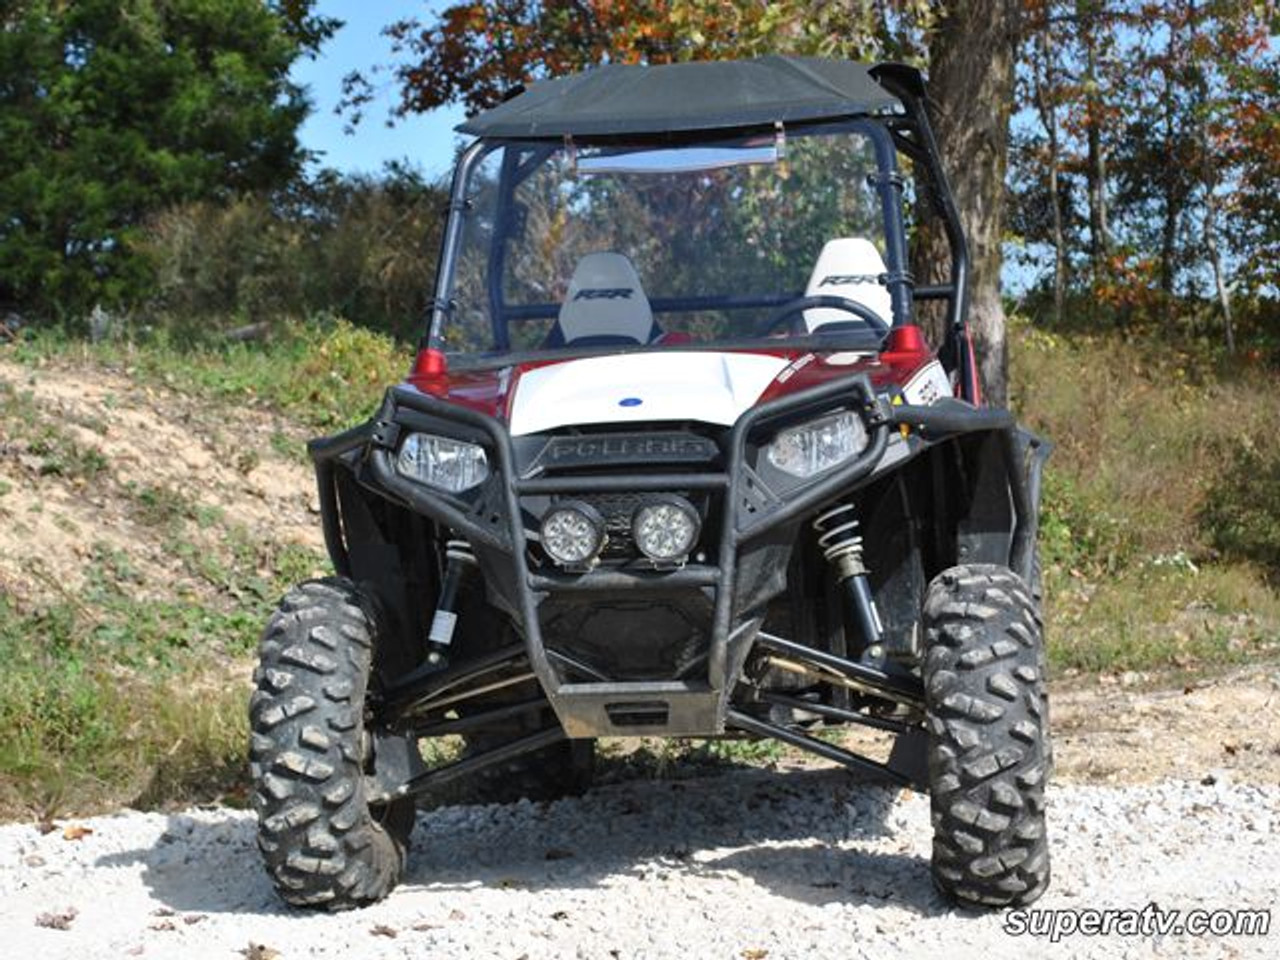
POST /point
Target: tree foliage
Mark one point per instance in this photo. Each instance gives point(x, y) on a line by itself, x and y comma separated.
point(356, 247)
point(113, 109)
point(1152, 138)
point(475, 53)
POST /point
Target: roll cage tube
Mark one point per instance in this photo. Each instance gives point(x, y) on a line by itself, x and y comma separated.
point(442, 303)
point(913, 135)
point(886, 181)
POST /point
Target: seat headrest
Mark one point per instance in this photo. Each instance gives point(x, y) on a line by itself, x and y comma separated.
point(849, 267)
point(605, 299)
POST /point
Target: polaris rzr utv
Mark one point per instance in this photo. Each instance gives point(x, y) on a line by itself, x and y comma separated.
point(673, 460)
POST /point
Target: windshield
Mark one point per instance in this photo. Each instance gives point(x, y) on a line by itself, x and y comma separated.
point(566, 247)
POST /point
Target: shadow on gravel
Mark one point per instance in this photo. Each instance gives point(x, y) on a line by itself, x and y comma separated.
point(814, 836)
point(204, 864)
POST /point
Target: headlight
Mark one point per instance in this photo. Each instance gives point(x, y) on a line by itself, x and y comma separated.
point(666, 530)
point(818, 445)
point(450, 465)
point(572, 533)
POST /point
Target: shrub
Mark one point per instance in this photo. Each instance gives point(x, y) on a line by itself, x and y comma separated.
point(360, 247)
point(1241, 514)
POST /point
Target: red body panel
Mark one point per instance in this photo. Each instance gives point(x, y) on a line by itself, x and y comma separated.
point(490, 391)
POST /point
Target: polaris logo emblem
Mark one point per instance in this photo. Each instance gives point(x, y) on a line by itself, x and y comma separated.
point(630, 402)
point(604, 293)
point(847, 279)
point(628, 449)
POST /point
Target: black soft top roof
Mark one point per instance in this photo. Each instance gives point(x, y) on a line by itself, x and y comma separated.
point(624, 99)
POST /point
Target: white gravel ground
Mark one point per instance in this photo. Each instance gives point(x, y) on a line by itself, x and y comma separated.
point(749, 864)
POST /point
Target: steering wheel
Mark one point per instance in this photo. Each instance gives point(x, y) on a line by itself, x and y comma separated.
point(859, 310)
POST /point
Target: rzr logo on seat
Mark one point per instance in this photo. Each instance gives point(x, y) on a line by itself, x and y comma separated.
point(605, 293)
point(844, 279)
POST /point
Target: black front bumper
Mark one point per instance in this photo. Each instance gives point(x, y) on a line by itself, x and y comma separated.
point(493, 521)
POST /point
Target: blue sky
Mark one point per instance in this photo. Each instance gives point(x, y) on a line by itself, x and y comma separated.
point(426, 141)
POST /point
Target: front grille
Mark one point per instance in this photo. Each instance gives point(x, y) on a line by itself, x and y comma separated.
point(629, 637)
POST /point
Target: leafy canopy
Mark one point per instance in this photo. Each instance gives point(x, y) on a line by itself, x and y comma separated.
point(113, 109)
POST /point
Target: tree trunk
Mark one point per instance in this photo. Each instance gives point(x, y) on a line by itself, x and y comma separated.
point(1047, 107)
point(1096, 166)
point(1170, 193)
point(1215, 258)
point(971, 55)
point(1209, 183)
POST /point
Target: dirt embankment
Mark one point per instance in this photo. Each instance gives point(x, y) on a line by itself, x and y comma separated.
point(90, 459)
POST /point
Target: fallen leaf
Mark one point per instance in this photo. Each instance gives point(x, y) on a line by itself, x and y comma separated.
point(163, 925)
point(74, 831)
point(456, 914)
point(162, 912)
point(191, 918)
point(59, 920)
point(259, 951)
point(382, 930)
point(424, 926)
point(754, 953)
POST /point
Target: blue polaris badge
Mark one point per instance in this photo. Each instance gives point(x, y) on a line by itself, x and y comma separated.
point(630, 402)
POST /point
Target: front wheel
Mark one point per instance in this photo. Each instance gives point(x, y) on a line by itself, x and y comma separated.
point(988, 736)
point(323, 843)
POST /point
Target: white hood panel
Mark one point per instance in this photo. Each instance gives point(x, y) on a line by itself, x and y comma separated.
point(640, 388)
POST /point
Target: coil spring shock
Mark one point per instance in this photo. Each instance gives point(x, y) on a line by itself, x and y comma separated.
point(841, 547)
point(460, 550)
point(459, 560)
point(838, 539)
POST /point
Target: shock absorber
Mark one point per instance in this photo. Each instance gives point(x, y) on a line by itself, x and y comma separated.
point(841, 547)
point(459, 562)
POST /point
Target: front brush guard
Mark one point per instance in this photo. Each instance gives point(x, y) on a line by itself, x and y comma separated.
point(692, 707)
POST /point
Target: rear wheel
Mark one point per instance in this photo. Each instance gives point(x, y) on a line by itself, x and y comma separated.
point(323, 843)
point(560, 769)
point(988, 736)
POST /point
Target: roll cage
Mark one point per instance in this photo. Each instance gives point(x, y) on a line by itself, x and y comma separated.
point(907, 133)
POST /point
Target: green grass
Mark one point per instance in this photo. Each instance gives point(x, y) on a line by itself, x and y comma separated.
point(1154, 537)
point(113, 701)
point(108, 697)
point(125, 692)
